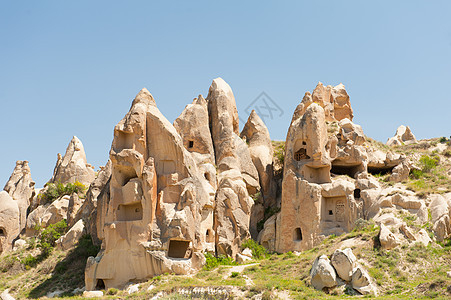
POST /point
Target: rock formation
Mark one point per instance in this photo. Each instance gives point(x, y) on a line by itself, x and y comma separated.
point(237, 176)
point(342, 269)
point(261, 151)
point(9, 221)
point(73, 166)
point(402, 136)
point(20, 187)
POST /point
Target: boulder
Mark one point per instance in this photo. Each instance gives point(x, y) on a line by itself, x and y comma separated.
point(70, 239)
point(362, 283)
point(34, 220)
point(322, 273)
point(73, 166)
point(344, 262)
point(387, 238)
point(267, 236)
point(423, 237)
point(92, 294)
point(440, 216)
point(20, 187)
point(402, 136)
point(9, 221)
point(240, 258)
point(56, 211)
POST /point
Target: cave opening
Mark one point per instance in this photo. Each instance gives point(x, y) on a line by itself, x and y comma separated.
point(178, 249)
point(380, 170)
point(350, 171)
point(100, 285)
point(297, 236)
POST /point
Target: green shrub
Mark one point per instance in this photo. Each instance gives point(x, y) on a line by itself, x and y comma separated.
point(112, 291)
point(57, 190)
point(212, 261)
point(428, 163)
point(443, 139)
point(258, 251)
point(49, 235)
point(235, 274)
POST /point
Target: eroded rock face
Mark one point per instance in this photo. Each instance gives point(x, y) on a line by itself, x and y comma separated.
point(344, 262)
point(334, 100)
point(9, 221)
point(155, 218)
point(261, 151)
point(73, 166)
point(312, 206)
point(323, 274)
point(20, 187)
point(402, 136)
point(236, 173)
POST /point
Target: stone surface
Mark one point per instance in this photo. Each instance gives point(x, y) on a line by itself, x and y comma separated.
point(322, 273)
point(92, 294)
point(70, 239)
point(5, 295)
point(344, 262)
point(240, 258)
point(261, 151)
point(423, 237)
point(362, 283)
point(56, 211)
point(402, 136)
point(387, 238)
point(9, 221)
point(73, 166)
point(20, 187)
point(233, 203)
point(440, 215)
point(93, 209)
point(34, 220)
point(158, 215)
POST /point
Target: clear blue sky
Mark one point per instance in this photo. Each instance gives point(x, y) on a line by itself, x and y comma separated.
point(73, 67)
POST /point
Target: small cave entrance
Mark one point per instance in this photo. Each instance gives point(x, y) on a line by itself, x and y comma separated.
point(130, 212)
point(357, 194)
point(207, 176)
point(301, 154)
point(179, 249)
point(2, 232)
point(100, 285)
point(209, 236)
point(350, 171)
point(297, 235)
point(380, 170)
point(190, 144)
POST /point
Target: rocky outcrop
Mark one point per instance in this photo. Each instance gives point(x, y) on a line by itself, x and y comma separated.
point(70, 239)
point(402, 136)
point(334, 100)
point(387, 239)
point(312, 206)
point(73, 166)
point(93, 209)
point(343, 270)
point(9, 221)
point(20, 187)
point(235, 172)
point(440, 215)
point(344, 262)
point(322, 273)
point(158, 206)
point(260, 147)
